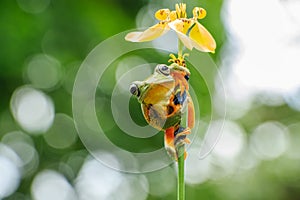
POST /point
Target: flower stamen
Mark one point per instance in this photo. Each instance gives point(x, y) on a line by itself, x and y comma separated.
point(199, 13)
point(181, 10)
point(162, 14)
point(180, 60)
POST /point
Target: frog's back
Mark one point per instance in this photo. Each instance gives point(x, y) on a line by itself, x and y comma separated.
point(164, 116)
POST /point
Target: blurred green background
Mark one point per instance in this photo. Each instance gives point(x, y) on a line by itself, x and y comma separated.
point(43, 45)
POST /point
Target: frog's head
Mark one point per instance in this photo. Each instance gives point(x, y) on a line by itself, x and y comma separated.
point(156, 88)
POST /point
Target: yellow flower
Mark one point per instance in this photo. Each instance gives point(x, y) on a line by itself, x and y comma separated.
point(191, 33)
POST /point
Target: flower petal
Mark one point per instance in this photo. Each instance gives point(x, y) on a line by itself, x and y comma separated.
point(187, 42)
point(150, 34)
point(193, 35)
point(181, 27)
point(202, 39)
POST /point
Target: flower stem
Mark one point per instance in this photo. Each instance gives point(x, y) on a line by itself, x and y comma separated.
point(180, 48)
point(180, 178)
point(180, 151)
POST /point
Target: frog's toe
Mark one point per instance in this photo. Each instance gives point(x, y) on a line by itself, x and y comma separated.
point(180, 137)
point(185, 155)
point(181, 140)
point(187, 141)
point(172, 152)
point(186, 131)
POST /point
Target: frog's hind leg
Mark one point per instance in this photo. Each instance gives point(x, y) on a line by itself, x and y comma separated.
point(181, 139)
point(169, 142)
point(180, 136)
point(176, 138)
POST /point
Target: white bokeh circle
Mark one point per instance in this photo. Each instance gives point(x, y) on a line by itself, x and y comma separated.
point(32, 109)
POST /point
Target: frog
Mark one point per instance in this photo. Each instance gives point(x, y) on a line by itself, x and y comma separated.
point(166, 102)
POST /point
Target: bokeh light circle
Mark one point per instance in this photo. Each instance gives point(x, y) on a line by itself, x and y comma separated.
point(85, 114)
point(9, 177)
point(49, 184)
point(32, 109)
point(294, 141)
point(62, 133)
point(44, 71)
point(16, 136)
point(269, 140)
point(96, 181)
point(33, 6)
point(10, 171)
point(23, 146)
point(231, 142)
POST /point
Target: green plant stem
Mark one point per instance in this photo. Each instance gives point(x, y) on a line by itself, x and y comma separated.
point(180, 178)
point(180, 152)
point(180, 48)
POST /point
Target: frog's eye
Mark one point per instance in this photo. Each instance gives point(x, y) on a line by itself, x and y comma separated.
point(163, 69)
point(133, 88)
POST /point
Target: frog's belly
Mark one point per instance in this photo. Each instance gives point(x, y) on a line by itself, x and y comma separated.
point(159, 116)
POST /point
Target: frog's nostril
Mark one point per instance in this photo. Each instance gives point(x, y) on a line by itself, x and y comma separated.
point(133, 88)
